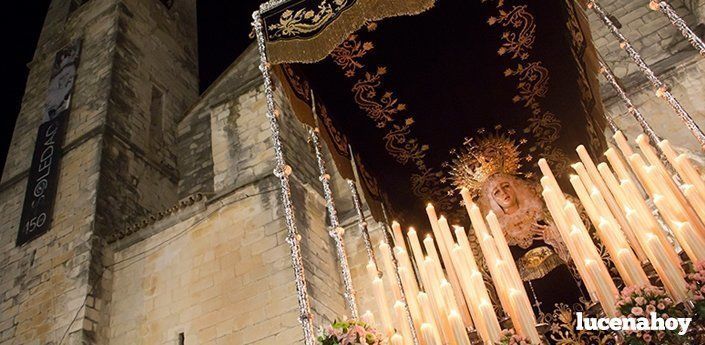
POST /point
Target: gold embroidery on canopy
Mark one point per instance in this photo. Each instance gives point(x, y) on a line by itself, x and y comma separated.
point(347, 54)
point(400, 146)
point(533, 84)
point(365, 93)
point(338, 139)
point(520, 41)
point(309, 30)
point(387, 111)
point(532, 77)
point(298, 84)
point(545, 128)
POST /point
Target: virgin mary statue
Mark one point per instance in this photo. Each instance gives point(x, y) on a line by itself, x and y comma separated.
point(490, 167)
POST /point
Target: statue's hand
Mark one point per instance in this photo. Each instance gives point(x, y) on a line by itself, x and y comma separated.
point(538, 231)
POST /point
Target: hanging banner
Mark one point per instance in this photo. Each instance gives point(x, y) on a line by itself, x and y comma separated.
point(44, 172)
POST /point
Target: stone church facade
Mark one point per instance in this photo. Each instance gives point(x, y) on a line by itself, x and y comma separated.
point(167, 225)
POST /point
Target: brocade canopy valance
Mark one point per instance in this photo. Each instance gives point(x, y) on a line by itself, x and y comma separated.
point(414, 95)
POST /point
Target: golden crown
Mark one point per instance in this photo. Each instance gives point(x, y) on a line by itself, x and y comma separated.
point(486, 155)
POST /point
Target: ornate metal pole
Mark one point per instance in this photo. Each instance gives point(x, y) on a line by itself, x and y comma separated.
point(336, 232)
point(655, 139)
point(282, 171)
point(395, 265)
point(665, 8)
point(661, 88)
point(362, 223)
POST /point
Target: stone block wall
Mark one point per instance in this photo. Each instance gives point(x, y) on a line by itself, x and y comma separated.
point(222, 276)
point(43, 284)
point(669, 55)
point(155, 49)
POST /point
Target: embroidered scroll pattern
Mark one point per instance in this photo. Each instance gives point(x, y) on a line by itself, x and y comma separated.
point(519, 42)
point(305, 20)
point(384, 108)
point(518, 36)
point(340, 141)
point(380, 109)
point(298, 84)
point(347, 54)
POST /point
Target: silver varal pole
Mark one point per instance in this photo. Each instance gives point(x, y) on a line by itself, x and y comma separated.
point(655, 139)
point(282, 171)
point(665, 8)
point(395, 265)
point(661, 88)
point(362, 223)
point(336, 232)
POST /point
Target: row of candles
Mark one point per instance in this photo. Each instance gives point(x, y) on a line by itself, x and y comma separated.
point(450, 302)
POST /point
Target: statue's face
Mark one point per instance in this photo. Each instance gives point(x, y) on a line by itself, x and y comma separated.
point(503, 192)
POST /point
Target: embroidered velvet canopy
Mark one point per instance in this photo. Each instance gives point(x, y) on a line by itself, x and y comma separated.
point(409, 94)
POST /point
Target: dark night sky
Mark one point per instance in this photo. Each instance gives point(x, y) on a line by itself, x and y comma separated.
point(223, 29)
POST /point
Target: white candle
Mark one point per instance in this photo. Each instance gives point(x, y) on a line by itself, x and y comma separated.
point(502, 246)
point(695, 199)
point(403, 257)
point(691, 241)
point(621, 199)
point(445, 242)
point(381, 299)
point(368, 318)
point(490, 317)
point(464, 243)
point(590, 176)
point(372, 270)
point(683, 166)
point(411, 291)
point(605, 291)
point(691, 174)
point(398, 237)
point(622, 144)
point(418, 254)
point(672, 277)
point(634, 274)
point(459, 332)
point(448, 295)
point(426, 308)
point(402, 323)
point(474, 290)
point(441, 306)
point(617, 164)
point(626, 262)
point(645, 222)
point(427, 334)
point(524, 320)
point(386, 254)
point(396, 339)
point(430, 246)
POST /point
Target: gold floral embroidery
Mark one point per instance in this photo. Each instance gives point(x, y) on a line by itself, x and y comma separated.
point(305, 20)
point(386, 111)
point(533, 84)
point(545, 128)
point(368, 180)
point(338, 139)
point(516, 43)
point(564, 330)
point(426, 184)
point(380, 110)
point(400, 146)
point(347, 54)
point(518, 39)
point(298, 84)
